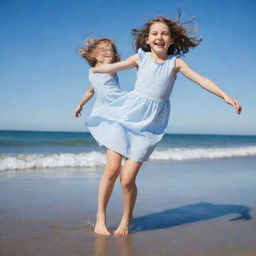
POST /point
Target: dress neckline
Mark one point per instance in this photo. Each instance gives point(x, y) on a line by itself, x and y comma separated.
point(113, 75)
point(157, 62)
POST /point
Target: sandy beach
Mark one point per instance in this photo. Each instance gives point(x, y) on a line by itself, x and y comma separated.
point(199, 207)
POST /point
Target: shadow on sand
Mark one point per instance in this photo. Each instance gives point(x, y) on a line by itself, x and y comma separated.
point(187, 214)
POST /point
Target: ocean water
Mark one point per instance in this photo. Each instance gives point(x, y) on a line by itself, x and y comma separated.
point(34, 149)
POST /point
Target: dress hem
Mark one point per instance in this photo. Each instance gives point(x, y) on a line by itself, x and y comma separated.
point(106, 145)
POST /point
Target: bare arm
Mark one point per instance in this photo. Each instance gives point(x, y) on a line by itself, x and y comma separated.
point(205, 83)
point(129, 63)
point(87, 96)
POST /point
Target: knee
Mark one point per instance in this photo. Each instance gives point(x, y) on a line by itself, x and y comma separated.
point(112, 172)
point(127, 184)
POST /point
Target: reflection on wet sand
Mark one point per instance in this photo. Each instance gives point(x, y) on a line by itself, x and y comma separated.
point(103, 245)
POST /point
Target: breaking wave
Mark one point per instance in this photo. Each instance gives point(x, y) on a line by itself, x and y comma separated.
point(94, 158)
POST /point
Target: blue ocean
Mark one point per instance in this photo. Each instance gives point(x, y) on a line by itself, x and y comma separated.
point(40, 149)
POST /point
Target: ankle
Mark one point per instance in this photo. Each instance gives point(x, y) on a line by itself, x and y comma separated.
point(99, 213)
point(101, 217)
point(126, 219)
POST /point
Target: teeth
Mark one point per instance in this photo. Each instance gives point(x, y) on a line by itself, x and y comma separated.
point(160, 44)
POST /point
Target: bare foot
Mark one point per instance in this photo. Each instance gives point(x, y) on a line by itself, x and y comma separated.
point(123, 228)
point(100, 226)
point(101, 230)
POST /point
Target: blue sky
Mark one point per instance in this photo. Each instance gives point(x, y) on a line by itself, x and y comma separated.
point(42, 79)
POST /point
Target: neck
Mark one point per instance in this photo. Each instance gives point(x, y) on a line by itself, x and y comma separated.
point(159, 56)
point(99, 64)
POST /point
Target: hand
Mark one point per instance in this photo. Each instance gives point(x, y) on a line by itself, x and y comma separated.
point(78, 111)
point(234, 103)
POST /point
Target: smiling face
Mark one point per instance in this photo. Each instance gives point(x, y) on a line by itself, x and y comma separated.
point(159, 38)
point(104, 53)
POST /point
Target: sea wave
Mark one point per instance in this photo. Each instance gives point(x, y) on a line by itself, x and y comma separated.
point(32, 161)
point(198, 153)
point(94, 158)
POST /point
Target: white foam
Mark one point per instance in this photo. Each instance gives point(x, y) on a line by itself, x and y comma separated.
point(93, 159)
point(197, 153)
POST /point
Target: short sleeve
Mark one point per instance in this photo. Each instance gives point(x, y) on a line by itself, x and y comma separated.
point(141, 54)
point(173, 58)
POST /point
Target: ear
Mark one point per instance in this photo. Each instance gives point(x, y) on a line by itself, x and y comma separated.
point(146, 40)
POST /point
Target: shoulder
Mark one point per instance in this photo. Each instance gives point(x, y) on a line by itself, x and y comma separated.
point(133, 59)
point(142, 54)
point(179, 62)
point(173, 61)
point(134, 56)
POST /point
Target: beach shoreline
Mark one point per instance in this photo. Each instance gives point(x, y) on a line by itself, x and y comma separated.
point(199, 207)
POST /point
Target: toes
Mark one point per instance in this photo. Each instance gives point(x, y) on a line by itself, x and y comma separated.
point(120, 232)
point(102, 231)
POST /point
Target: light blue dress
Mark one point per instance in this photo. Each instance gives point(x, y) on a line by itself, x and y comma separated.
point(135, 122)
point(106, 88)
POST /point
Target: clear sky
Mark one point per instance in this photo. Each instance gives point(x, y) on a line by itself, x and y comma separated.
point(42, 79)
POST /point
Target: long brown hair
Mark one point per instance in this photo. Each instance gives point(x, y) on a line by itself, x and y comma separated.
point(91, 44)
point(183, 40)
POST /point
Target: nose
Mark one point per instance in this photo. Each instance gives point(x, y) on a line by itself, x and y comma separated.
point(106, 51)
point(159, 36)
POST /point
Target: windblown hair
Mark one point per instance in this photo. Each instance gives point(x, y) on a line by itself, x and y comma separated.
point(183, 37)
point(87, 51)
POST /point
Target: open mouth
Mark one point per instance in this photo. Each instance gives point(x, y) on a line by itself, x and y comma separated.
point(160, 44)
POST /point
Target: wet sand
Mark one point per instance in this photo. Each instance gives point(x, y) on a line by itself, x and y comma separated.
point(202, 207)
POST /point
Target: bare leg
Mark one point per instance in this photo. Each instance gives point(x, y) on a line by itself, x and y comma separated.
point(128, 177)
point(111, 172)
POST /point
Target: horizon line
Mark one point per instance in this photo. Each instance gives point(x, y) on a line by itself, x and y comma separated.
point(224, 134)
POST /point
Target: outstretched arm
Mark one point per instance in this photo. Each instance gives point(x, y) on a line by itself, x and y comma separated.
point(129, 63)
point(207, 84)
point(87, 96)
